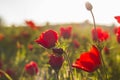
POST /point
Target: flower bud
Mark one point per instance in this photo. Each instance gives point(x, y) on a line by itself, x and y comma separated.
point(88, 6)
point(56, 62)
point(58, 51)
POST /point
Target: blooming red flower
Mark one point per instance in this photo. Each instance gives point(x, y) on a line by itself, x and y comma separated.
point(31, 68)
point(56, 61)
point(47, 39)
point(117, 18)
point(31, 24)
point(88, 61)
point(66, 32)
point(101, 34)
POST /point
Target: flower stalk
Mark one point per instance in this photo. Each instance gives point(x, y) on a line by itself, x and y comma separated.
point(89, 8)
point(69, 63)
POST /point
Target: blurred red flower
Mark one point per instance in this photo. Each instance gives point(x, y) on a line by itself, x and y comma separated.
point(89, 61)
point(118, 38)
point(1, 37)
point(66, 32)
point(106, 50)
point(101, 34)
point(47, 39)
point(1, 64)
point(76, 43)
point(117, 18)
point(25, 34)
point(31, 24)
point(31, 68)
point(10, 72)
point(56, 61)
point(30, 47)
point(117, 29)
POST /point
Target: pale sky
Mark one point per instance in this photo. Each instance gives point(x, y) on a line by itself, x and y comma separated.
point(58, 11)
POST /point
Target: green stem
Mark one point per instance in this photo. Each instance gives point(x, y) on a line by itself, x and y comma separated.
point(57, 74)
point(69, 63)
point(103, 63)
point(99, 75)
point(7, 76)
point(98, 42)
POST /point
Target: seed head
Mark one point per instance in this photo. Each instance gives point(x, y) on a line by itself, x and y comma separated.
point(88, 6)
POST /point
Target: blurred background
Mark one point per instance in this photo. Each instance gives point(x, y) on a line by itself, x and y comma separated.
point(57, 11)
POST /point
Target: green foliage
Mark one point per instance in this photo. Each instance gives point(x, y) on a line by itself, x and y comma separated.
point(16, 57)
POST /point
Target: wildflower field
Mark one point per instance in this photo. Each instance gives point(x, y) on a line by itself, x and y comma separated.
point(83, 51)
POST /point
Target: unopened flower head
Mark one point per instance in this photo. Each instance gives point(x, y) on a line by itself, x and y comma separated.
point(88, 6)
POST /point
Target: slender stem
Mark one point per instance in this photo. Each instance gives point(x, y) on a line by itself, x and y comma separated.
point(57, 74)
point(69, 63)
point(99, 75)
point(96, 35)
point(103, 66)
point(98, 41)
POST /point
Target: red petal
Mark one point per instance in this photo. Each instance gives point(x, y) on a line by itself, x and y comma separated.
point(88, 61)
point(117, 18)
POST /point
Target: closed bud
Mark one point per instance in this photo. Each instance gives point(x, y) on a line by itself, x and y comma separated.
point(58, 51)
point(88, 6)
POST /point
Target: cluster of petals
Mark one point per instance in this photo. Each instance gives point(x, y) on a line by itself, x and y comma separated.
point(31, 68)
point(117, 18)
point(65, 32)
point(88, 61)
point(99, 34)
point(48, 39)
point(117, 29)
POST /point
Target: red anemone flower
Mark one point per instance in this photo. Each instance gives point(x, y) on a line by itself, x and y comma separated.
point(31, 68)
point(89, 61)
point(101, 34)
point(56, 61)
point(117, 29)
point(47, 39)
point(31, 24)
point(117, 18)
point(66, 32)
